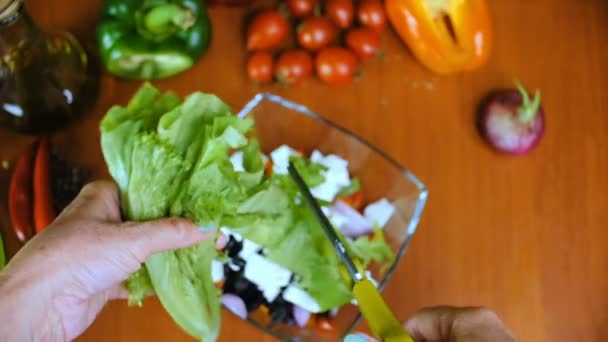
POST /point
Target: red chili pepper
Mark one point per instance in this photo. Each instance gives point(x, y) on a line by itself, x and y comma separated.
point(20, 194)
point(43, 198)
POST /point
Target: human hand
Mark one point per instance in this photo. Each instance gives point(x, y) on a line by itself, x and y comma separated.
point(53, 289)
point(453, 325)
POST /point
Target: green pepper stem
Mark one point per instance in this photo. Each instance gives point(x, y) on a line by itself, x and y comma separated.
point(527, 111)
point(163, 17)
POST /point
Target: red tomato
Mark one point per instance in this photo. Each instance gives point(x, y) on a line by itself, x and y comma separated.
point(340, 12)
point(371, 14)
point(324, 323)
point(354, 200)
point(315, 33)
point(336, 65)
point(267, 30)
point(259, 67)
point(294, 66)
point(301, 8)
point(364, 42)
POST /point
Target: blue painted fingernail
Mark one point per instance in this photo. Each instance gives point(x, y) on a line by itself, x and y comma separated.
point(207, 228)
point(355, 338)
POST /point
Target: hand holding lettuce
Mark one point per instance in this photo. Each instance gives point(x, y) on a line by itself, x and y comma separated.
point(172, 158)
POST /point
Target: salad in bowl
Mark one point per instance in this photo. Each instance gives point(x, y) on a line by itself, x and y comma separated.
point(195, 159)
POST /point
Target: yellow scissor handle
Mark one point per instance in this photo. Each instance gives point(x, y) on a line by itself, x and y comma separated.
point(379, 317)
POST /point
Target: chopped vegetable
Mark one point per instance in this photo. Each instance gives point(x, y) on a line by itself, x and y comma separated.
point(20, 194)
point(446, 38)
point(152, 39)
point(372, 248)
point(512, 122)
point(351, 189)
point(301, 316)
point(235, 305)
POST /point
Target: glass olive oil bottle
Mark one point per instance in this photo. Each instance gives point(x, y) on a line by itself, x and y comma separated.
point(47, 81)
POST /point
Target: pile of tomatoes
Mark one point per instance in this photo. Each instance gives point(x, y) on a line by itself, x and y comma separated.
point(332, 37)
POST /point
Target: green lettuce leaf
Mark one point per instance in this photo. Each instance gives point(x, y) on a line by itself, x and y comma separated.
point(157, 173)
point(354, 186)
point(372, 248)
point(182, 283)
point(139, 286)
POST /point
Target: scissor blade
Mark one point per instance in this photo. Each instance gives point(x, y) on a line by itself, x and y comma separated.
point(325, 225)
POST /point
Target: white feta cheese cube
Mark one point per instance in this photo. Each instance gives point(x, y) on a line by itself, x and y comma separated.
point(268, 276)
point(217, 271)
point(280, 159)
point(296, 295)
point(316, 156)
point(379, 212)
point(339, 176)
point(237, 161)
point(333, 161)
point(249, 248)
point(327, 191)
point(336, 176)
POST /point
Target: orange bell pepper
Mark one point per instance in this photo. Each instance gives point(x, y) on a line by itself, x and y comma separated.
point(446, 36)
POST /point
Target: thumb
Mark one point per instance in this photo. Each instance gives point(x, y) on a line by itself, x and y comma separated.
point(458, 324)
point(143, 239)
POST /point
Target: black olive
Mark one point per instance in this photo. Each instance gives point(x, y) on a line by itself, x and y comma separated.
point(281, 311)
point(233, 247)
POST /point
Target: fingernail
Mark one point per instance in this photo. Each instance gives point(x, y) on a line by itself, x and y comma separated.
point(208, 228)
point(221, 242)
point(355, 338)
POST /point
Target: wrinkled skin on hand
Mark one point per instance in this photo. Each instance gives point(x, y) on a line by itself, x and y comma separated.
point(450, 324)
point(53, 289)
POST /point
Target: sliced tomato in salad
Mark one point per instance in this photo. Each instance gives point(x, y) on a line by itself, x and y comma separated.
point(354, 200)
point(324, 323)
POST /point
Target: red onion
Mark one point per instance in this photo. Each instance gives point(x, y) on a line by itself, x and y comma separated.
point(235, 305)
point(301, 316)
point(356, 224)
point(512, 122)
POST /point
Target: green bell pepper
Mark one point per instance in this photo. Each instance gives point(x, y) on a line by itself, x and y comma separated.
point(152, 39)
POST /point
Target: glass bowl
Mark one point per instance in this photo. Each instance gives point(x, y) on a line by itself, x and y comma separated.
point(278, 122)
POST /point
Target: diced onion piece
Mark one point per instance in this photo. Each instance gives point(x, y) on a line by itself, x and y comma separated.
point(235, 304)
point(355, 224)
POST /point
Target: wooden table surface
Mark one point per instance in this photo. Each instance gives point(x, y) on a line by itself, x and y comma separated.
point(526, 236)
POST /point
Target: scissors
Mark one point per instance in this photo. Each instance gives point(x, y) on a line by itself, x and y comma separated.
point(381, 320)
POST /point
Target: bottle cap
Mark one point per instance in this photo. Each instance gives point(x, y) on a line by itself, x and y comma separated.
point(9, 8)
